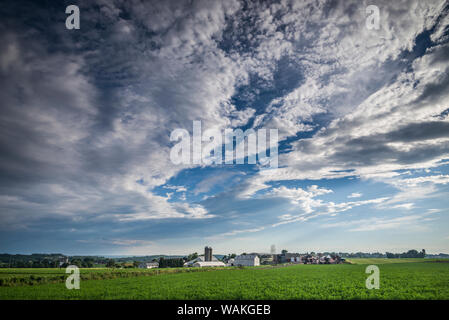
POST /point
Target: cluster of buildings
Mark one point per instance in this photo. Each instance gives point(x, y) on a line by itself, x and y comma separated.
point(308, 258)
point(254, 259)
point(209, 260)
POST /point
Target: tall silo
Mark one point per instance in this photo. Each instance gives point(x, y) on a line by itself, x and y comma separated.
point(208, 254)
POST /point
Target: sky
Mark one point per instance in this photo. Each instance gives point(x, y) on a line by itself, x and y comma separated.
point(86, 116)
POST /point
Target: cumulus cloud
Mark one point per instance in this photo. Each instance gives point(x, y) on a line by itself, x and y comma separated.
point(395, 124)
point(298, 196)
point(102, 117)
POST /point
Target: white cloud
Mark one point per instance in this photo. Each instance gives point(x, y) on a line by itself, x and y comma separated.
point(176, 188)
point(325, 209)
point(303, 198)
point(118, 242)
point(414, 182)
point(412, 222)
point(355, 195)
point(407, 206)
point(235, 232)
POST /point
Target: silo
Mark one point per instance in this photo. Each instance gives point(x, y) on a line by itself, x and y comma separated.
point(208, 254)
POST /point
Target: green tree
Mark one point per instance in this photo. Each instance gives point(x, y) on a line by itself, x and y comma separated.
point(88, 262)
point(76, 262)
point(192, 256)
point(423, 253)
point(110, 263)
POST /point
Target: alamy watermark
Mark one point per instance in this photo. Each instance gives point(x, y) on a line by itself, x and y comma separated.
point(73, 281)
point(373, 280)
point(256, 146)
point(72, 21)
point(372, 14)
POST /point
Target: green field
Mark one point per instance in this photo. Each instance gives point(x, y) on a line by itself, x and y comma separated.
point(387, 261)
point(406, 280)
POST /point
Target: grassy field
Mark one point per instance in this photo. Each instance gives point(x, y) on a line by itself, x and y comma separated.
point(407, 280)
point(35, 276)
point(387, 261)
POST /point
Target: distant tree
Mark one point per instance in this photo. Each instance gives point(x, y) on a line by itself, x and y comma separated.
point(171, 263)
point(423, 253)
point(76, 262)
point(136, 264)
point(110, 263)
point(284, 251)
point(88, 262)
point(226, 258)
point(191, 256)
point(409, 254)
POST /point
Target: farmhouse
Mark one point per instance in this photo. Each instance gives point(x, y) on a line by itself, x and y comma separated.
point(247, 260)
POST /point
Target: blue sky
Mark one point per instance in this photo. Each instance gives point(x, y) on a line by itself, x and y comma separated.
point(86, 117)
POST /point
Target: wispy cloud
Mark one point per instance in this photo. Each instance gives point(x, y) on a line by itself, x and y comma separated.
point(409, 222)
point(355, 195)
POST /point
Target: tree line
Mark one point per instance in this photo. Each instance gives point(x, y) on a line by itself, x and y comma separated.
point(408, 254)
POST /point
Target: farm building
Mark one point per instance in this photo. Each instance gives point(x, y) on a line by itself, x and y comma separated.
point(267, 258)
point(247, 260)
point(149, 265)
point(230, 262)
point(199, 259)
point(308, 258)
point(207, 257)
point(289, 257)
point(63, 260)
point(202, 264)
point(208, 253)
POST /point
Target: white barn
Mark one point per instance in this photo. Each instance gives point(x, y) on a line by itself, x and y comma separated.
point(199, 259)
point(202, 264)
point(149, 265)
point(247, 260)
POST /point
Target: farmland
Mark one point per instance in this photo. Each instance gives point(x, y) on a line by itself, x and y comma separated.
point(386, 261)
point(407, 280)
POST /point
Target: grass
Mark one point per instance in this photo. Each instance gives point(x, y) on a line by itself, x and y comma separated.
point(383, 260)
point(419, 280)
point(33, 276)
